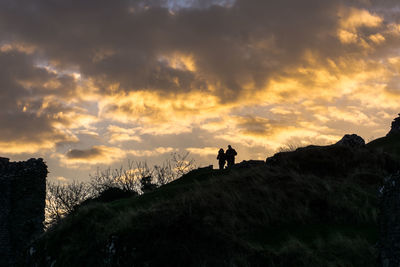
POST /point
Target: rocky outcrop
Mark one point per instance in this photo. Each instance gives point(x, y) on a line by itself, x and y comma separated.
point(395, 129)
point(351, 140)
point(334, 160)
point(22, 203)
point(389, 222)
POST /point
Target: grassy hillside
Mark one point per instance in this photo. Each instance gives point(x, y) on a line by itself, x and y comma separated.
point(316, 206)
point(389, 144)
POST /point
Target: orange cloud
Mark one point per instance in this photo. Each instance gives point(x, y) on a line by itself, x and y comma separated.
point(118, 134)
point(353, 18)
point(151, 153)
point(20, 47)
point(204, 151)
point(258, 84)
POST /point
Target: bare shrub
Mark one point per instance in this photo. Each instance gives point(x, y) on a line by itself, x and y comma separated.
point(142, 170)
point(132, 178)
point(173, 168)
point(103, 180)
point(62, 199)
point(163, 174)
point(182, 164)
point(137, 177)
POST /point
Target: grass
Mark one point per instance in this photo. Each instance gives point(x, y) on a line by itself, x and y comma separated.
point(288, 214)
point(389, 144)
point(336, 250)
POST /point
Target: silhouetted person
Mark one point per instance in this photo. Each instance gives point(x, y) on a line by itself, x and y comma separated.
point(221, 159)
point(230, 156)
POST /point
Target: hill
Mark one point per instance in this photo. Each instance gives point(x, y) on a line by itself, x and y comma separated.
point(389, 144)
point(316, 206)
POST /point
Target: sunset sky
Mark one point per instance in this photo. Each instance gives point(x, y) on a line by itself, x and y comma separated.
point(90, 84)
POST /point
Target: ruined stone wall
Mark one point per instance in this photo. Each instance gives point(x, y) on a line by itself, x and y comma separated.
point(22, 203)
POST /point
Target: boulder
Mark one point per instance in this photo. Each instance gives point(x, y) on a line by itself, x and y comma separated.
point(351, 140)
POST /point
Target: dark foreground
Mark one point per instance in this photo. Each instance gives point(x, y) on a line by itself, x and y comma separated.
point(316, 206)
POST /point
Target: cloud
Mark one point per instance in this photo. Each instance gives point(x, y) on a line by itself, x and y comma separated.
point(106, 155)
point(227, 50)
point(136, 78)
point(352, 19)
point(151, 153)
point(30, 122)
point(157, 115)
point(204, 151)
point(91, 153)
point(62, 179)
point(175, 5)
point(255, 125)
point(204, 49)
point(118, 134)
point(96, 155)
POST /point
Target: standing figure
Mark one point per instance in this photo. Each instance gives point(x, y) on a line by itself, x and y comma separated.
point(221, 159)
point(230, 156)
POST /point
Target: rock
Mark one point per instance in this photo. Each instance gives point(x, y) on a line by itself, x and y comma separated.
point(395, 129)
point(351, 140)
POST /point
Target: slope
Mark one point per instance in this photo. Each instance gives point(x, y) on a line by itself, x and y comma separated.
point(316, 206)
point(389, 144)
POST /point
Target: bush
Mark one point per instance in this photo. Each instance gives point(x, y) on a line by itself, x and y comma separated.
point(108, 185)
point(111, 194)
point(63, 199)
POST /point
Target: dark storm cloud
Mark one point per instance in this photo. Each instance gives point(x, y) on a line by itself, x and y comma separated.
point(259, 126)
point(84, 154)
point(175, 5)
point(114, 43)
point(256, 126)
point(22, 91)
point(123, 45)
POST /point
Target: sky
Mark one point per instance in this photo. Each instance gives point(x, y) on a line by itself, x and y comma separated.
point(88, 85)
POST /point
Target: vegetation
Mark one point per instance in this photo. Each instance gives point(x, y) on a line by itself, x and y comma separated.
point(62, 199)
point(389, 144)
point(108, 185)
point(316, 206)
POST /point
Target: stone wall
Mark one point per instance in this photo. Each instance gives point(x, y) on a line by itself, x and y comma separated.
point(22, 203)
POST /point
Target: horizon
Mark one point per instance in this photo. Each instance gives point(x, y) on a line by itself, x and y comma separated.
point(87, 85)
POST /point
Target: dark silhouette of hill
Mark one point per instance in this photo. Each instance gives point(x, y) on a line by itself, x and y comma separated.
point(338, 161)
point(389, 144)
point(316, 206)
